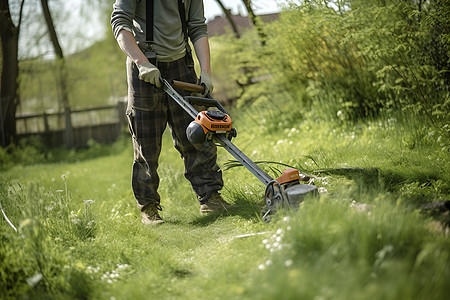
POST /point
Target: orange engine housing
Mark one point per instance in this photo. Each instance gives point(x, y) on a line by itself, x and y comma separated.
point(288, 175)
point(215, 121)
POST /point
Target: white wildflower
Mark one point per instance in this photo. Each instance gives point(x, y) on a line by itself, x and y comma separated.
point(288, 263)
point(322, 190)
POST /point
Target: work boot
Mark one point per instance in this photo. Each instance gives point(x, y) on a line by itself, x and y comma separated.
point(150, 215)
point(215, 204)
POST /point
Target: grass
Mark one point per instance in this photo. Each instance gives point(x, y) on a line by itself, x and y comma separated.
point(79, 232)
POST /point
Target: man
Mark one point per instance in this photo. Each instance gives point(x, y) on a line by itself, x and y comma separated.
point(158, 51)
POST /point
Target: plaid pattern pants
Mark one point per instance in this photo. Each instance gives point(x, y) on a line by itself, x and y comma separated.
point(149, 111)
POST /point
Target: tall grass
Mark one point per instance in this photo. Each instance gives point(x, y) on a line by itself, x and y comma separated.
point(80, 236)
point(329, 250)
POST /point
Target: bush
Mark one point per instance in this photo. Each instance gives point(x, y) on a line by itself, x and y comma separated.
point(26, 152)
point(31, 151)
point(355, 58)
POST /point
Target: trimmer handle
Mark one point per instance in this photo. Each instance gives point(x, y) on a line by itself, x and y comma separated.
point(197, 88)
point(190, 87)
point(206, 102)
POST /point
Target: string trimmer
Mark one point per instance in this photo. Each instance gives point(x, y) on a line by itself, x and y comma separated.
point(215, 126)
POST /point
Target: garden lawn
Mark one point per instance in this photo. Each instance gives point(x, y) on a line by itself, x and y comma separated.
point(79, 233)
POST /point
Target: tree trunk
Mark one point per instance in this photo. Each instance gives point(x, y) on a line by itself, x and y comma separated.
point(9, 35)
point(229, 18)
point(256, 21)
point(61, 63)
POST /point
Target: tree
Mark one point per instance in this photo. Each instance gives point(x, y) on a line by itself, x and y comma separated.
point(68, 133)
point(9, 35)
point(256, 21)
point(229, 17)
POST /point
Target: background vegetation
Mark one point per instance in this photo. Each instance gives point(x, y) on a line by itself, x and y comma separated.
point(353, 93)
point(97, 77)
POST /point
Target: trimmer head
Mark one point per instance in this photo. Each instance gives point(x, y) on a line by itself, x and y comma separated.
point(287, 192)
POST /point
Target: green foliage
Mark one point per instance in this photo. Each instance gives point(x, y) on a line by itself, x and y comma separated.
point(355, 59)
point(31, 151)
point(95, 75)
point(396, 50)
point(25, 152)
point(235, 63)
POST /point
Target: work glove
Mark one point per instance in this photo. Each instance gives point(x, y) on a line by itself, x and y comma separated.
point(205, 80)
point(149, 73)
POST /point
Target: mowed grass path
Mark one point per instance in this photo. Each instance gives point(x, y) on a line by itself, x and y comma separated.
point(80, 234)
point(148, 261)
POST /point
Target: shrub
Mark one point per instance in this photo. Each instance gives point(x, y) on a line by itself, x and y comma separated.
point(356, 58)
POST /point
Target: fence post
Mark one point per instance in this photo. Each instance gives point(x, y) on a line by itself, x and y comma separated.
point(2, 122)
point(121, 109)
point(68, 129)
point(46, 127)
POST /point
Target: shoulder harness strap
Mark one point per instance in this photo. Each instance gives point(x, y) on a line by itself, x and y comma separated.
point(149, 5)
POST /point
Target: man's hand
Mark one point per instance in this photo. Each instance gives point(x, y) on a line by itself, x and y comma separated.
point(205, 80)
point(149, 73)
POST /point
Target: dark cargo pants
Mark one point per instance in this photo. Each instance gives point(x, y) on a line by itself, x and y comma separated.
point(149, 111)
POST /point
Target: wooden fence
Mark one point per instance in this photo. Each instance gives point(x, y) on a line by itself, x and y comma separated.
point(102, 124)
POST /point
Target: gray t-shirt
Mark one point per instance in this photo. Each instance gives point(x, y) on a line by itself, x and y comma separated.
point(168, 38)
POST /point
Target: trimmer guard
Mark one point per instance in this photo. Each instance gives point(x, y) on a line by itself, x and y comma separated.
point(292, 196)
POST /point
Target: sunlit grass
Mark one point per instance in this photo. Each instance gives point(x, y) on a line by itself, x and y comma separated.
point(79, 232)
